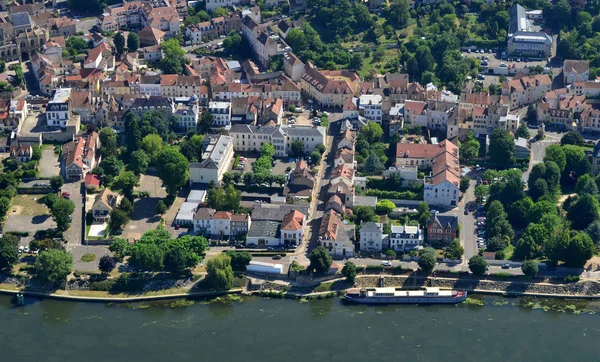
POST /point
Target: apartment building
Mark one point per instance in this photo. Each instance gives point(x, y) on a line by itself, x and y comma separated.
point(252, 138)
point(335, 236)
point(372, 237)
point(524, 90)
point(216, 160)
point(221, 113)
point(370, 107)
point(329, 88)
point(522, 39)
point(405, 238)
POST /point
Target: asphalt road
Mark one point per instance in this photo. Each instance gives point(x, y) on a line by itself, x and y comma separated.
point(467, 222)
point(74, 234)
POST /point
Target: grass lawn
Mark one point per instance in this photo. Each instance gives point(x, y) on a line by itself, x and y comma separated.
point(30, 205)
point(508, 252)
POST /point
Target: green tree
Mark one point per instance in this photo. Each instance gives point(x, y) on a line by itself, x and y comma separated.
point(556, 154)
point(552, 176)
point(538, 171)
point(384, 207)
point(583, 212)
point(179, 261)
point(8, 252)
point(133, 41)
point(119, 41)
point(586, 185)
point(219, 272)
point(478, 265)
point(529, 268)
point(481, 191)
point(372, 132)
point(61, 212)
point(572, 138)
point(497, 243)
point(423, 213)
point(239, 259)
point(297, 148)
point(118, 219)
point(579, 250)
point(502, 147)
point(399, 14)
point(119, 248)
point(220, 12)
point(350, 271)
point(469, 149)
point(53, 266)
point(109, 140)
point(111, 166)
point(577, 164)
point(320, 260)
point(427, 262)
point(373, 165)
point(456, 251)
point(161, 207)
point(465, 182)
point(174, 57)
point(364, 214)
point(152, 144)
point(518, 211)
point(173, 170)
point(56, 182)
point(138, 162)
point(128, 181)
point(356, 60)
point(192, 148)
point(315, 157)
point(538, 189)
point(523, 131)
point(106, 264)
point(126, 206)
point(267, 151)
point(296, 39)
point(147, 256)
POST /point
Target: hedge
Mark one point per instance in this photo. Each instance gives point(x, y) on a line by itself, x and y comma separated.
point(397, 195)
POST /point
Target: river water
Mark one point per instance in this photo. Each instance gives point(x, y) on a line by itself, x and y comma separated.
point(257, 329)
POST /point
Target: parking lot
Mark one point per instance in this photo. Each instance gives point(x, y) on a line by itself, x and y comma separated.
point(144, 215)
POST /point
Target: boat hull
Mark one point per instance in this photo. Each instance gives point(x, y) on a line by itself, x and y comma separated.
point(407, 300)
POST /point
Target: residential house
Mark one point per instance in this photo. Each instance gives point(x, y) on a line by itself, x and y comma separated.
point(335, 236)
point(342, 173)
point(347, 140)
point(292, 66)
point(372, 237)
point(575, 71)
point(301, 182)
point(405, 238)
point(58, 111)
point(443, 186)
point(335, 204)
point(221, 113)
point(292, 228)
point(150, 36)
point(21, 152)
point(370, 107)
point(104, 203)
point(329, 88)
point(524, 90)
point(185, 215)
point(216, 160)
point(442, 228)
point(80, 156)
point(152, 54)
point(61, 26)
point(422, 155)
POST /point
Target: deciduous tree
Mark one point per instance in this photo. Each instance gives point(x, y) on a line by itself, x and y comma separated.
point(53, 266)
point(350, 271)
point(478, 265)
point(320, 260)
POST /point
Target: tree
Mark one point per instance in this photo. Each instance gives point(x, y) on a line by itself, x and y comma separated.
point(178, 260)
point(297, 148)
point(427, 262)
point(529, 268)
point(364, 214)
point(239, 259)
point(372, 132)
point(133, 41)
point(552, 176)
point(118, 218)
point(556, 154)
point(8, 252)
point(481, 191)
point(577, 164)
point(296, 39)
point(586, 185)
point(350, 271)
point(538, 189)
point(423, 213)
point(111, 166)
point(315, 157)
point(161, 207)
point(465, 182)
point(469, 149)
point(128, 181)
point(220, 12)
point(192, 148)
point(478, 265)
point(106, 264)
point(61, 210)
point(267, 150)
point(593, 230)
point(320, 260)
point(399, 14)
point(109, 141)
point(497, 243)
point(119, 248)
point(152, 144)
point(384, 207)
point(174, 57)
point(147, 256)
point(53, 266)
point(356, 60)
point(579, 250)
point(537, 172)
point(126, 206)
point(138, 162)
point(502, 147)
point(219, 272)
point(119, 41)
point(572, 138)
point(583, 212)
point(373, 165)
point(456, 250)
point(523, 131)
point(173, 170)
point(56, 182)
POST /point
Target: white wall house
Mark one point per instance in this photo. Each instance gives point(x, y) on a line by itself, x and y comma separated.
point(221, 112)
point(371, 236)
point(405, 238)
point(216, 160)
point(58, 111)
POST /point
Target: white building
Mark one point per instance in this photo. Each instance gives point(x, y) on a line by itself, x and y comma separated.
point(216, 160)
point(221, 112)
point(187, 113)
point(443, 187)
point(405, 238)
point(371, 236)
point(58, 111)
point(522, 39)
point(371, 107)
point(251, 138)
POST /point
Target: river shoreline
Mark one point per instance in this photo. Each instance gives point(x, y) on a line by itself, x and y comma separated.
point(589, 290)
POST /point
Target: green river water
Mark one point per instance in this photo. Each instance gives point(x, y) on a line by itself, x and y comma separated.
point(257, 329)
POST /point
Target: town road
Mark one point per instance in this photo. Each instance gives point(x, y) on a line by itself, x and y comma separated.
point(468, 238)
point(538, 150)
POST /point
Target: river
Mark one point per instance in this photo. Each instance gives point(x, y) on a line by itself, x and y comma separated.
point(257, 329)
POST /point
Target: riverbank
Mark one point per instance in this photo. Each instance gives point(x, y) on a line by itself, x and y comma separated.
point(580, 290)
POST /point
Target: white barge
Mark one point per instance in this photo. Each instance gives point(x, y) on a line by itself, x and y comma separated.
point(401, 296)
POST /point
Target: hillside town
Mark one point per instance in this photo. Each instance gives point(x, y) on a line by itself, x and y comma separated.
point(181, 136)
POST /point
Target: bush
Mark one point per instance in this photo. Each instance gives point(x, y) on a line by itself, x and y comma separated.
point(104, 285)
point(571, 279)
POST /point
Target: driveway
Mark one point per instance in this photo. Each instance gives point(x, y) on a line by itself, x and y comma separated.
point(79, 251)
point(144, 215)
point(49, 164)
point(538, 150)
point(74, 235)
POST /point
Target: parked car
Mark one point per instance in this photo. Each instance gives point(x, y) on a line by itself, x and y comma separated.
point(26, 249)
point(66, 194)
point(506, 266)
point(21, 248)
point(386, 263)
point(277, 257)
point(177, 226)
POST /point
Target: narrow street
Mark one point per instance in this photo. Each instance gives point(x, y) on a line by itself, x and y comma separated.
point(467, 222)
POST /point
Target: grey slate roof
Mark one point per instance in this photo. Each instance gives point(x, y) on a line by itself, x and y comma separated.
point(446, 220)
point(21, 19)
point(371, 227)
point(275, 212)
point(264, 228)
